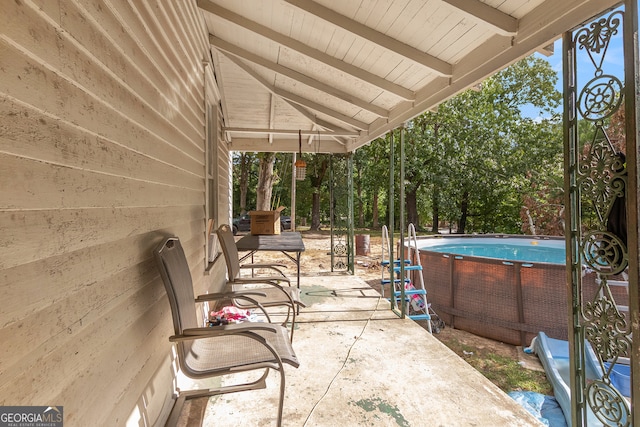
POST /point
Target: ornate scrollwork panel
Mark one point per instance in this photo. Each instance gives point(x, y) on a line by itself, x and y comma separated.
point(596, 38)
point(605, 328)
point(604, 252)
point(607, 404)
point(600, 174)
point(341, 252)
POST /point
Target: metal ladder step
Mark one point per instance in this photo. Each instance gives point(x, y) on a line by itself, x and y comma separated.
point(408, 268)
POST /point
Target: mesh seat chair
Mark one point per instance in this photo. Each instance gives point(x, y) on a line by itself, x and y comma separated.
point(213, 351)
point(274, 293)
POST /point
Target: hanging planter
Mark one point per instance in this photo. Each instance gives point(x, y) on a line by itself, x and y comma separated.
point(301, 165)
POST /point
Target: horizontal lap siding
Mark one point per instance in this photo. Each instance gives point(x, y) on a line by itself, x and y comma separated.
point(101, 154)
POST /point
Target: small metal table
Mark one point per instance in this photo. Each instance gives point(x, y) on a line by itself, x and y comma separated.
point(284, 242)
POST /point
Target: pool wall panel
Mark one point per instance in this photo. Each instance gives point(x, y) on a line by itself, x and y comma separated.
point(505, 301)
point(544, 295)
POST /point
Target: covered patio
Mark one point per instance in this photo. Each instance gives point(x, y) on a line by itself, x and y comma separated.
point(362, 365)
point(117, 123)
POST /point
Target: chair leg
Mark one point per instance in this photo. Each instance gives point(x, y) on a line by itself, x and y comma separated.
point(174, 416)
point(185, 395)
point(281, 404)
point(260, 383)
point(293, 320)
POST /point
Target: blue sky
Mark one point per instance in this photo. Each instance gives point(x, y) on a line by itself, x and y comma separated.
point(613, 64)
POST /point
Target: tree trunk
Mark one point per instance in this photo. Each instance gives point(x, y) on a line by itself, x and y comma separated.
point(532, 226)
point(319, 169)
point(315, 211)
point(245, 166)
point(360, 205)
point(411, 199)
point(265, 181)
point(464, 212)
point(436, 210)
point(374, 210)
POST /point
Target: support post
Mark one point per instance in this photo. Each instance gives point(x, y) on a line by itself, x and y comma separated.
point(572, 232)
point(632, 126)
point(351, 220)
point(293, 192)
point(403, 309)
point(391, 214)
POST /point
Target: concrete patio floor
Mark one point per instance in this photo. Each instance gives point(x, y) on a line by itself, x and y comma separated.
point(361, 365)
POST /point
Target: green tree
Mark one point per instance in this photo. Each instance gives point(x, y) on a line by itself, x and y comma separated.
point(374, 176)
point(245, 179)
point(317, 168)
point(478, 147)
point(245, 162)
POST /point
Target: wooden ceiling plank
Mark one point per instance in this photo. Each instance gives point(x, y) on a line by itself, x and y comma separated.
point(501, 22)
point(437, 65)
point(295, 75)
point(300, 47)
point(292, 132)
point(329, 145)
point(296, 99)
point(499, 53)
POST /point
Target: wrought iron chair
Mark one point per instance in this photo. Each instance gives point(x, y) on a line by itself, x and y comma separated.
point(214, 351)
point(274, 294)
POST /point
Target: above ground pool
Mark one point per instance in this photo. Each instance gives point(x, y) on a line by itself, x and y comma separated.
point(511, 248)
point(503, 287)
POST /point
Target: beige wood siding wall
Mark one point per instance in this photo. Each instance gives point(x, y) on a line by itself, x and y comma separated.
point(224, 185)
point(101, 155)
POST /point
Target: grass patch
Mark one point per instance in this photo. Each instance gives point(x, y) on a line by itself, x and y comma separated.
point(503, 371)
point(507, 374)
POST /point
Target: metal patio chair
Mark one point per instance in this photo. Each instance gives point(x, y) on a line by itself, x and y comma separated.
point(274, 293)
point(214, 351)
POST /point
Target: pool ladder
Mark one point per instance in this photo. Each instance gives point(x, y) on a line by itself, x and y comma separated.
point(415, 301)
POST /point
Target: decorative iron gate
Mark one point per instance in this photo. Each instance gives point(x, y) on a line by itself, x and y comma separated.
point(600, 193)
point(341, 212)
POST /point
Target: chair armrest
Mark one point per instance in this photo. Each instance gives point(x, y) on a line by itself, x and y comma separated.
point(287, 296)
point(223, 330)
point(275, 267)
point(245, 295)
point(229, 295)
point(263, 265)
point(256, 281)
point(263, 279)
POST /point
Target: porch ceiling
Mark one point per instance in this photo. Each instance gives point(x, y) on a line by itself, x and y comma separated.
point(345, 72)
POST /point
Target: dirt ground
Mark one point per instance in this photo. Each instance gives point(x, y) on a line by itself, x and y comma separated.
point(316, 260)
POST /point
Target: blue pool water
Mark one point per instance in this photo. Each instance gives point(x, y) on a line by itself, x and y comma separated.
point(509, 249)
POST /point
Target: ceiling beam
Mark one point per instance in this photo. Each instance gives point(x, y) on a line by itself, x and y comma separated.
point(557, 16)
point(419, 57)
point(313, 119)
point(219, 81)
point(352, 70)
point(297, 99)
point(547, 50)
point(290, 132)
point(501, 23)
point(285, 146)
point(225, 46)
point(272, 114)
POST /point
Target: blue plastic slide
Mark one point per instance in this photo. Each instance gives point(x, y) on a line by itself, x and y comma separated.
point(554, 356)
